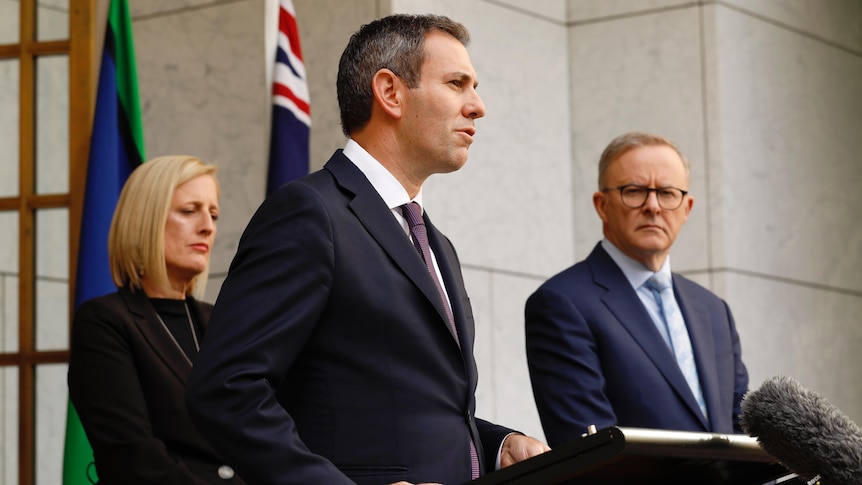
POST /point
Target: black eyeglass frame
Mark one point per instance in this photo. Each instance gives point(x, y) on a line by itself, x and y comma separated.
point(647, 190)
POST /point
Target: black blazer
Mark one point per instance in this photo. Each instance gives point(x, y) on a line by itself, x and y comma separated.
point(329, 358)
point(127, 381)
point(595, 357)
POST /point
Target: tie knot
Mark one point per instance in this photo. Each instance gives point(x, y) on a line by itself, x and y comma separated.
point(658, 282)
point(413, 213)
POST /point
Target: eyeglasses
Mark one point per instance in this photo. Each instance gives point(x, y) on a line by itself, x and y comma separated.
point(635, 196)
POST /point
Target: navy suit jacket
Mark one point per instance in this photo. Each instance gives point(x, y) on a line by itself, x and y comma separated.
point(329, 358)
point(595, 356)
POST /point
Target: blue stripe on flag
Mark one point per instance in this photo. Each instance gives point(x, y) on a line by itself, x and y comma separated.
point(281, 58)
point(108, 168)
point(288, 149)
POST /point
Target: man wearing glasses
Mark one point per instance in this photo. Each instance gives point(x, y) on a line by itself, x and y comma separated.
point(617, 339)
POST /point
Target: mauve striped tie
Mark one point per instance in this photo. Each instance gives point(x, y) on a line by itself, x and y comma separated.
point(413, 213)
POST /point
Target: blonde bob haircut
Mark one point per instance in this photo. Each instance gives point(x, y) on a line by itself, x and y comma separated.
point(137, 235)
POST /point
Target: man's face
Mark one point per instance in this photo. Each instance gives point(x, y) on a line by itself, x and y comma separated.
point(439, 115)
point(646, 233)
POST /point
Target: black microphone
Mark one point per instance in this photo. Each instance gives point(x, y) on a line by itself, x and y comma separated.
point(804, 432)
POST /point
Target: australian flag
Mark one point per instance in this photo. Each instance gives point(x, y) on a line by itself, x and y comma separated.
point(291, 108)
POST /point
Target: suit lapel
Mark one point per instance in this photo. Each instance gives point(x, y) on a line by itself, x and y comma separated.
point(147, 322)
point(697, 322)
point(378, 220)
point(448, 263)
point(622, 300)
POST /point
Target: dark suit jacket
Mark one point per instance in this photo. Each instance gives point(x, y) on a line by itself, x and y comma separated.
point(595, 356)
point(127, 381)
point(329, 354)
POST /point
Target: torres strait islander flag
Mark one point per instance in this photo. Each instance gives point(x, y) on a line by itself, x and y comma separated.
point(291, 110)
point(116, 148)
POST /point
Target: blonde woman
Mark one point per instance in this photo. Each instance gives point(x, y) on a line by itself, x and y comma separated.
point(132, 350)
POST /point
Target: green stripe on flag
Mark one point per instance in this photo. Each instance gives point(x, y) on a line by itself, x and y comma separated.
point(78, 451)
point(127, 74)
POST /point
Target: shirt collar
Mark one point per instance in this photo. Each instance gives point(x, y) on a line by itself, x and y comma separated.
point(634, 271)
point(389, 188)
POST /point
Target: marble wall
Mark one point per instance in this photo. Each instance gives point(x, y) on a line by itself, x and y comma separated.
point(761, 95)
point(784, 128)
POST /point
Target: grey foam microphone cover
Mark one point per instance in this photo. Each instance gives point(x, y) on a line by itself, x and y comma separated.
point(803, 431)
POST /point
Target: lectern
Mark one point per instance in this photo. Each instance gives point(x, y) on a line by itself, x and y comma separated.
point(636, 456)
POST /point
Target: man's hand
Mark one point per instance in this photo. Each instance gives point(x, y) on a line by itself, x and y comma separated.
point(518, 447)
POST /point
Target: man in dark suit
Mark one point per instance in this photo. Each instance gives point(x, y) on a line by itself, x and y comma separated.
point(604, 348)
point(331, 357)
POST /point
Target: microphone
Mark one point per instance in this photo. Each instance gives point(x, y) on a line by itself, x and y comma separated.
point(803, 431)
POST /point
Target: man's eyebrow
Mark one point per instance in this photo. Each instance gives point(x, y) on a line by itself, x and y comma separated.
point(464, 76)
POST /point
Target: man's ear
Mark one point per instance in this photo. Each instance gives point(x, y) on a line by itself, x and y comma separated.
point(387, 88)
point(687, 204)
point(600, 202)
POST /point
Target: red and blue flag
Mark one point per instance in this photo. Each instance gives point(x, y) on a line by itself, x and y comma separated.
point(291, 108)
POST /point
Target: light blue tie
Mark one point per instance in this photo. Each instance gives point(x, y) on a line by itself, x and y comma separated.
point(662, 289)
